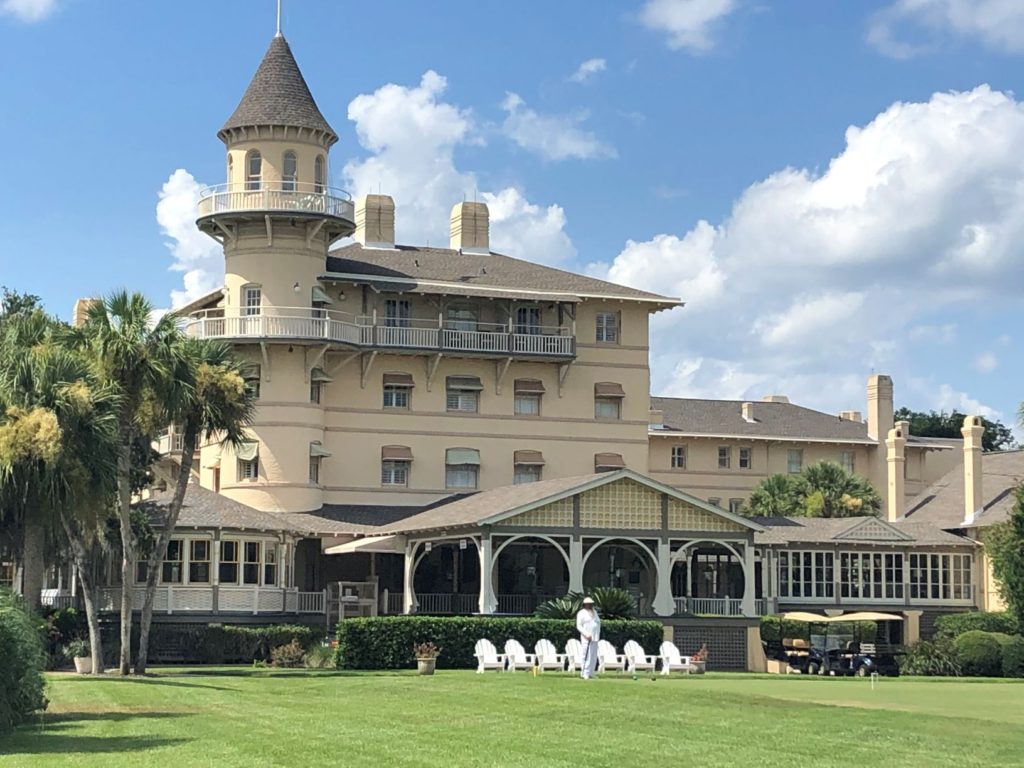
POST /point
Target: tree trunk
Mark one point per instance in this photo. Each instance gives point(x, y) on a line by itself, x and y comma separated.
point(33, 566)
point(124, 494)
point(83, 559)
point(156, 558)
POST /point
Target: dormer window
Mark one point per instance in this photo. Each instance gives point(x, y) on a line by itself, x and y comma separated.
point(289, 172)
point(319, 173)
point(253, 170)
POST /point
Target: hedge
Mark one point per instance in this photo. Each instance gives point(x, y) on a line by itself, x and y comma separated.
point(22, 660)
point(217, 644)
point(386, 642)
point(954, 624)
point(980, 653)
point(1013, 657)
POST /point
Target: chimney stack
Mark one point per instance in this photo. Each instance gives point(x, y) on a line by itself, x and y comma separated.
point(656, 418)
point(774, 399)
point(470, 228)
point(880, 409)
point(375, 221)
point(747, 409)
point(972, 431)
point(896, 456)
point(850, 416)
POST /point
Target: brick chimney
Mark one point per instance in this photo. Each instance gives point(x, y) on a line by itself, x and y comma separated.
point(972, 431)
point(470, 228)
point(747, 410)
point(880, 409)
point(895, 446)
point(375, 221)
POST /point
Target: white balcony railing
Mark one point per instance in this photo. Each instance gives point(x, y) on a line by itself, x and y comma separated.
point(716, 606)
point(273, 197)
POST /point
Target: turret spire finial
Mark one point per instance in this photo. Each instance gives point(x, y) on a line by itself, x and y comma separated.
point(278, 18)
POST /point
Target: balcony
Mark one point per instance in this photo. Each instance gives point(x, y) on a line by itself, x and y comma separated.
point(298, 324)
point(293, 198)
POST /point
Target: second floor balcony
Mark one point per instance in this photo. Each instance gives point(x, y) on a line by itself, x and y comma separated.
point(280, 197)
point(298, 324)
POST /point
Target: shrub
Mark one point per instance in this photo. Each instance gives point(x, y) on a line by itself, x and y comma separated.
point(290, 655)
point(1013, 657)
point(320, 657)
point(611, 603)
point(77, 648)
point(938, 657)
point(62, 625)
point(979, 653)
point(217, 644)
point(387, 642)
point(22, 660)
point(955, 624)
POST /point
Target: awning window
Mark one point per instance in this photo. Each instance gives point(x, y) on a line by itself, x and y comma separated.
point(248, 451)
point(608, 389)
point(604, 461)
point(318, 376)
point(465, 383)
point(396, 453)
point(320, 295)
point(528, 458)
point(317, 450)
point(398, 380)
point(456, 456)
point(529, 387)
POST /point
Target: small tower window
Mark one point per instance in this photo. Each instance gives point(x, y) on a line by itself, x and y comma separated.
point(253, 170)
point(318, 175)
point(289, 176)
point(231, 169)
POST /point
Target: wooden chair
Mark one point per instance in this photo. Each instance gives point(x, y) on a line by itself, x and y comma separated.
point(548, 656)
point(517, 656)
point(573, 655)
point(672, 660)
point(638, 660)
point(487, 657)
point(608, 658)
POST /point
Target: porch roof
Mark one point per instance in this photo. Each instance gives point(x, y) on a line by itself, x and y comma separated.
point(853, 530)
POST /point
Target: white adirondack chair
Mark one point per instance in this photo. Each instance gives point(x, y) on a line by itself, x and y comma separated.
point(548, 656)
point(672, 660)
point(517, 656)
point(608, 658)
point(573, 655)
point(487, 657)
point(637, 660)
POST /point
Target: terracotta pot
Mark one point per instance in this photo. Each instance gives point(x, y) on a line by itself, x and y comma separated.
point(83, 664)
point(426, 666)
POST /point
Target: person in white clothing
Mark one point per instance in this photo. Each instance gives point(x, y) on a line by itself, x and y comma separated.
point(588, 624)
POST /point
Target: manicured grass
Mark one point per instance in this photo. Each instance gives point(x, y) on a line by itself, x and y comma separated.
point(244, 717)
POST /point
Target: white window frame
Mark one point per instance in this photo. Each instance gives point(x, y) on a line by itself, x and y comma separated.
point(247, 563)
point(746, 458)
point(253, 181)
point(735, 505)
point(677, 457)
point(464, 477)
point(319, 174)
point(252, 300)
point(224, 561)
point(289, 180)
point(249, 470)
point(527, 404)
point(806, 574)
point(874, 576)
point(397, 394)
point(180, 562)
point(462, 317)
point(606, 328)
point(527, 473)
point(397, 313)
point(612, 407)
point(848, 461)
point(724, 457)
point(314, 470)
point(462, 401)
point(194, 561)
point(394, 472)
point(270, 561)
point(941, 577)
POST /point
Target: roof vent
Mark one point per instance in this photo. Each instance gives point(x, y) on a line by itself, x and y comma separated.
point(747, 409)
point(775, 399)
point(375, 221)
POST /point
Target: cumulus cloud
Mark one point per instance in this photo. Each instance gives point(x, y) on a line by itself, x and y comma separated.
point(585, 71)
point(815, 279)
point(553, 137)
point(28, 10)
point(911, 27)
point(986, 362)
point(199, 257)
point(689, 24)
point(412, 135)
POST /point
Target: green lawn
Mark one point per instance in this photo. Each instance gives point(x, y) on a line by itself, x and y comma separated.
point(235, 717)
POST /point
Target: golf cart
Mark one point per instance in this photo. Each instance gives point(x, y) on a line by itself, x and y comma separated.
point(844, 659)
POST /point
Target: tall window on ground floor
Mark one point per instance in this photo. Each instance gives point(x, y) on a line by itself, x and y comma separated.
point(794, 461)
point(806, 574)
point(172, 570)
point(251, 563)
point(871, 575)
point(227, 571)
point(199, 561)
point(941, 577)
point(270, 565)
point(846, 458)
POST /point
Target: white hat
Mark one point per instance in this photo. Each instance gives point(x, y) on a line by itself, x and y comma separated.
point(588, 601)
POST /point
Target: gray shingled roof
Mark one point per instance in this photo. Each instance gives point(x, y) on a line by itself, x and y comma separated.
point(724, 417)
point(941, 505)
point(850, 530)
point(204, 508)
point(278, 95)
point(495, 270)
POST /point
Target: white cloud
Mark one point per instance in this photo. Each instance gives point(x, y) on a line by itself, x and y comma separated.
point(816, 279)
point(28, 10)
point(986, 362)
point(553, 137)
point(910, 27)
point(412, 135)
point(688, 23)
point(585, 71)
point(200, 257)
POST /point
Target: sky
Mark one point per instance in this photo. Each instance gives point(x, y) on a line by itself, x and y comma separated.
point(834, 188)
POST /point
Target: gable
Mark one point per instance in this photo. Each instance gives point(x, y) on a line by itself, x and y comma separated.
point(557, 514)
point(688, 517)
point(871, 529)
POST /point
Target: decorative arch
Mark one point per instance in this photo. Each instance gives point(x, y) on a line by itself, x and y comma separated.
point(630, 539)
point(289, 171)
point(543, 537)
point(319, 174)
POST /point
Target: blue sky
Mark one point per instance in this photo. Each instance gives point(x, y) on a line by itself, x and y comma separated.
point(700, 148)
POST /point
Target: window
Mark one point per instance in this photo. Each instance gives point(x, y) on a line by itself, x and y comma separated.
point(314, 392)
point(231, 171)
point(141, 571)
point(871, 575)
point(253, 170)
point(252, 298)
point(746, 458)
point(464, 476)
point(318, 174)
point(199, 561)
point(289, 172)
point(528, 320)
point(463, 394)
point(227, 571)
point(678, 457)
point(607, 408)
point(735, 505)
point(940, 577)
point(172, 571)
point(251, 564)
point(252, 381)
point(794, 460)
point(7, 575)
point(314, 470)
point(608, 327)
point(715, 502)
point(846, 458)
point(270, 565)
point(396, 313)
point(724, 457)
point(394, 472)
point(462, 317)
point(526, 473)
point(806, 574)
point(527, 405)
point(396, 397)
point(248, 470)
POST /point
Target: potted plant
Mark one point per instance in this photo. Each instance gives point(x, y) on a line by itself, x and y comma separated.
point(426, 657)
point(81, 652)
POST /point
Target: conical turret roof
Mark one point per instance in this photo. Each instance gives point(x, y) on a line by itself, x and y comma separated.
point(278, 95)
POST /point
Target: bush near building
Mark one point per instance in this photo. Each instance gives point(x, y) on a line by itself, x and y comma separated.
point(386, 642)
point(954, 624)
point(980, 653)
point(938, 658)
point(1013, 657)
point(22, 660)
point(221, 644)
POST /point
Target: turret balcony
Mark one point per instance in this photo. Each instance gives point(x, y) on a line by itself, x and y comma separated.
point(305, 324)
point(261, 198)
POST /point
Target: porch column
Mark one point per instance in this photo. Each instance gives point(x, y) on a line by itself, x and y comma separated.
point(487, 602)
point(408, 598)
point(663, 604)
point(748, 580)
point(575, 564)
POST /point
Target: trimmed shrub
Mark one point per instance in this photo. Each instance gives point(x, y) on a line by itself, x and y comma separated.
point(22, 660)
point(980, 653)
point(1013, 657)
point(386, 642)
point(938, 657)
point(291, 655)
point(954, 624)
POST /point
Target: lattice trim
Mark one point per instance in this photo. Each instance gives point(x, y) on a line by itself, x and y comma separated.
point(687, 517)
point(557, 514)
point(624, 504)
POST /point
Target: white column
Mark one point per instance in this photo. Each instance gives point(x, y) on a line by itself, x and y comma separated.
point(408, 597)
point(663, 604)
point(748, 580)
point(487, 604)
point(575, 564)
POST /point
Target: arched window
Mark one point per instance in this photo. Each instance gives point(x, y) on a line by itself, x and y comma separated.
point(318, 174)
point(253, 170)
point(231, 169)
point(290, 172)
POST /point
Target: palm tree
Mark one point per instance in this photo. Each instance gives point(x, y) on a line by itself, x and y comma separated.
point(828, 490)
point(775, 496)
point(207, 398)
